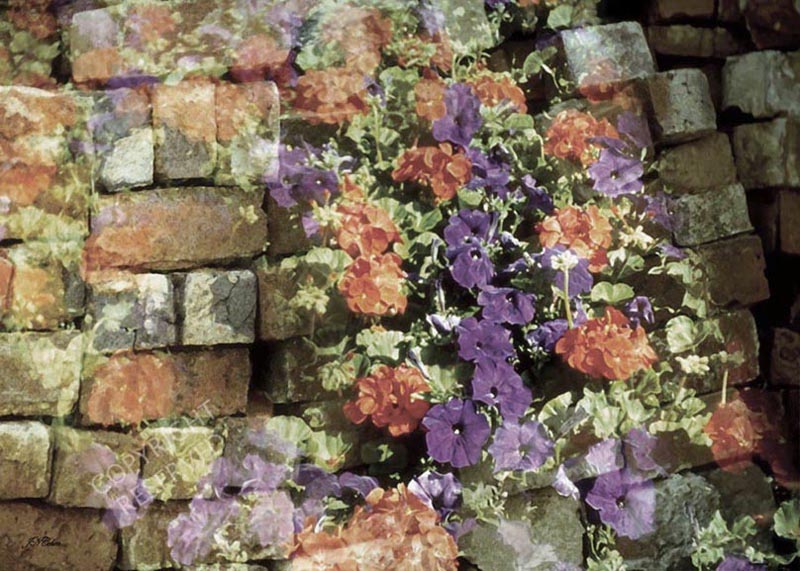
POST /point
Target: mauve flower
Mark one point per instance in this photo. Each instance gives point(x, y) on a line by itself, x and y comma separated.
point(538, 198)
point(547, 334)
point(520, 447)
point(656, 207)
point(490, 173)
point(671, 251)
point(563, 485)
point(605, 456)
point(471, 265)
point(463, 117)
point(639, 309)
point(262, 476)
point(268, 521)
point(362, 485)
point(456, 433)
point(441, 492)
point(638, 450)
point(561, 261)
point(443, 324)
point(430, 16)
point(468, 226)
point(224, 474)
point(624, 501)
point(734, 563)
point(296, 181)
point(633, 128)
point(616, 174)
point(496, 383)
point(479, 340)
point(191, 536)
point(506, 305)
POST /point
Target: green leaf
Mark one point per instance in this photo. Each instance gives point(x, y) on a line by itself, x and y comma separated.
point(556, 411)
point(611, 293)
point(329, 260)
point(787, 520)
point(560, 17)
point(681, 334)
point(384, 345)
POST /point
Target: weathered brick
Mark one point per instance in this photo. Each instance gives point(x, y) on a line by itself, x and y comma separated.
point(698, 166)
point(789, 221)
point(293, 372)
point(768, 154)
point(131, 311)
point(692, 41)
point(143, 545)
point(665, 10)
point(85, 462)
point(602, 55)
point(247, 117)
point(219, 307)
point(185, 124)
point(742, 257)
point(40, 373)
point(177, 458)
point(728, 11)
point(763, 208)
point(45, 290)
point(45, 538)
point(25, 460)
point(286, 233)
point(175, 228)
point(710, 216)
point(682, 107)
point(785, 360)
point(131, 387)
point(762, 84)
point(772, 23)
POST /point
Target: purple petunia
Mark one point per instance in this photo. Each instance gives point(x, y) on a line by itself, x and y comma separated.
point(268, 521)
point(506, 305)
point(456, 433)
point(547, 334)
point(639, 310)
point(297, 181)
point(638, 450)
point(362, 485)
point(605, 456)
point(657, 207)
point(624, 501)
point(468, 226)
point(734, 563)
point(261, 476)
point(471, 265)
point(483, 339)
point(463, 116)
point(564, 485)
point(496, 383)
point(538, 198)
point(488, 172)
point(191, 536)
point(223, 474)
point(561, 261)
point(616, 174)
point(443, 324)
point(520, 447)
point(441, 492)
point(633, 128)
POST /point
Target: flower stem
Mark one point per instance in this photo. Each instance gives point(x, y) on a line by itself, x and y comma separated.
point(567, 304)
point(725, 387)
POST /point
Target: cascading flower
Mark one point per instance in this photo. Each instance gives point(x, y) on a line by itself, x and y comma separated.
point(584, 231)
point(456, 433)
point(391, 397)
point(481, 339)
point(607, 347)
point(440, 168)
point(492, 90)
point(333, 96)
point(429, 95)
point(496, 383)
point(569, 133)
point(364, 229)
point(463, 117)
point(625, 501)
point(520, 446)
point(374, 285)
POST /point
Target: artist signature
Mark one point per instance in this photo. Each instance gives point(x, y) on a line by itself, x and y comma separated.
point(42, 541)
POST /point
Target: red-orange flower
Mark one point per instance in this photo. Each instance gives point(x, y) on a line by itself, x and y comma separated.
point(258, 56)
point(394, 531)
point(491, 91)
point(733, 435)
point(365, 230)
point(607, 347)
point(429, 95)
point(585, 231)
point(437, 167)
point(391, 398)
point(567, 137)
point(332, 96)
point(374, 285)
point(361, 34)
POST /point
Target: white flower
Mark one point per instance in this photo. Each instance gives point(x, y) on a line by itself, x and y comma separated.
point(565, 261)
point(693, 364)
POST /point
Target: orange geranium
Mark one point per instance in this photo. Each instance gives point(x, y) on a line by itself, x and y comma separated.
point(331, 96)
point(374, 285)
point(585, 231)
point(607, 347)
point(440, 168)
point(361, 34)
point(364, 229)
point(429, 95)
point(390, 396)
point(494, 90)
point(394, 531)
point(567, 137)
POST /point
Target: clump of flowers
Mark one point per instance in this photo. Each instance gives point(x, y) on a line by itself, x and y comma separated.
point(587, 232)
point(333, 96)
point(570, 136)
point(364, 229)
point(374, 285)
point(440, 168)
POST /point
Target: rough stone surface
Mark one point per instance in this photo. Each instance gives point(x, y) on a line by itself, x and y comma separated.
point(25, 460)
point(177, 458)
point(763, 84)
point(742, 257)
point(219, 307)
point(768, 154)
point(143, 545)
point(763, 206)
point(664, 10)
point(40, 373)
point(85, 462)
point(710, 216)
point(63, 540)
point(175, 228)
point(129, 163)
point(602, 55)
point(529, 540)
point(789, 222)
point(698, 166)
point(785, 361)
point(127, 388)
point(131, 311)
point(184, 119)
point(286, 234)
point(683, 501)
point(293, 372)
point(682, 107)
point(691, 41)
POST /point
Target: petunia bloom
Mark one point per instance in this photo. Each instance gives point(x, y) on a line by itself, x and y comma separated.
point(470, 265)
point(391, 397)
point(463, 116)
point(734, 563)
point(506, 305)
point(496, 383)
point(191, 536)
point(607, 347)
point(441, 492)
point(624, 501)
point(456, 433)
point(616, 174)
point(520, 447)
point(440, 168)
point(584, 231)
point(547, 334)
point(483, 340)
point(567, 267)
point(374, 285)
point(469, 225)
